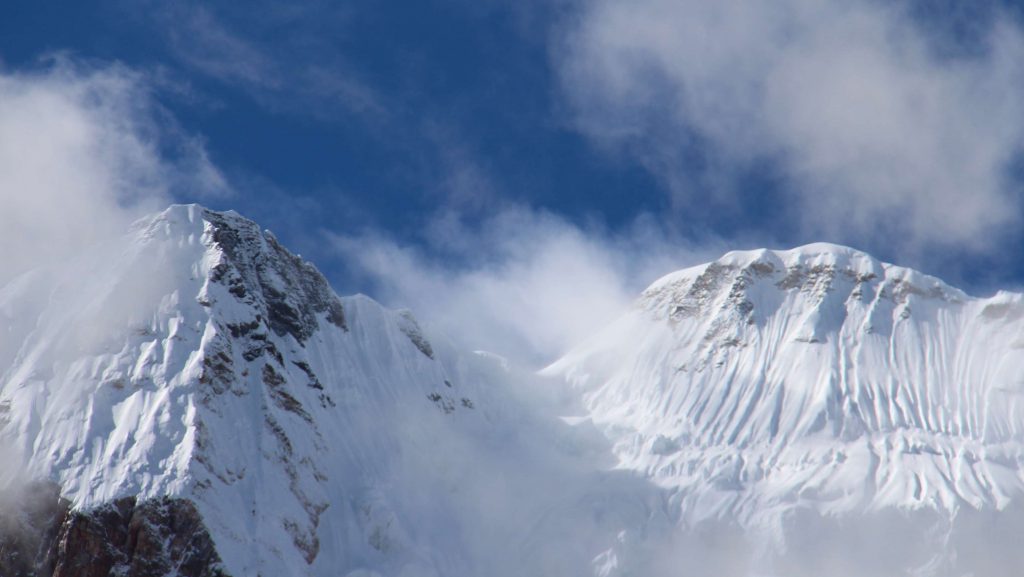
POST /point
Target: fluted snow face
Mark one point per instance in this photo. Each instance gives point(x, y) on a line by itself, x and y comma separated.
point(812, 377)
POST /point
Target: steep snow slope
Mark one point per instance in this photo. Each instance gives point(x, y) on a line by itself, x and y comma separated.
point(812, 378)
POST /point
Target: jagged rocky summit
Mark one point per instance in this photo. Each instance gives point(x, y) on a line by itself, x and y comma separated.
point(194, 400)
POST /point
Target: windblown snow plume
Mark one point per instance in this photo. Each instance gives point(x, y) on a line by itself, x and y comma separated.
point(82, 154)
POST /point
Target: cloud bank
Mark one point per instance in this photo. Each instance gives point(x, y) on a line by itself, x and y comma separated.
point(523, 283)
point(83, 150)
point(880, 128)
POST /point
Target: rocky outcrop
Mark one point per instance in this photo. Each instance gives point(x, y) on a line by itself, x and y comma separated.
point(42, 536)
point(289, 292)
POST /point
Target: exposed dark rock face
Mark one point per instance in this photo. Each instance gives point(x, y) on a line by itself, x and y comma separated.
point(273, 294)
point(412, 330)
point(40, 536)
point(288, 291)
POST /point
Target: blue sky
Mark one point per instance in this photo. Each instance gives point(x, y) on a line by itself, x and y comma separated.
point(494, 160)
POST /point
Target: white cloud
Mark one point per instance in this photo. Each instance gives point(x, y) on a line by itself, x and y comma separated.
point(201, 40)
point(82, 151)
point(876, 128)
point(524, 284)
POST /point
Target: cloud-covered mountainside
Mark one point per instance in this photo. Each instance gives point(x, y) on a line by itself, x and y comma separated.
point(193, 399)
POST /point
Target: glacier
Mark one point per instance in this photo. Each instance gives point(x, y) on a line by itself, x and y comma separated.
point(773, 413)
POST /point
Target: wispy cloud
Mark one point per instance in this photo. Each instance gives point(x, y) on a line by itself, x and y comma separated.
point(283, 56)
point(525, 284)
point(204, 43)
point(878, 129)
point(83, 149)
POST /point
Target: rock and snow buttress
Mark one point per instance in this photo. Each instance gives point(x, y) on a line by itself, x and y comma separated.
point(193, 399)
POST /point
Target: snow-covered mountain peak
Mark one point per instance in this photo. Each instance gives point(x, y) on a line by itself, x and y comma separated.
point(728, 379)
point(764, 260)
point(252, 265)
point(748, 286)
point(196, 358)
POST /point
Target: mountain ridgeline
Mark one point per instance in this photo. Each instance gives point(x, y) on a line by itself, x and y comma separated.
point(194, 400)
